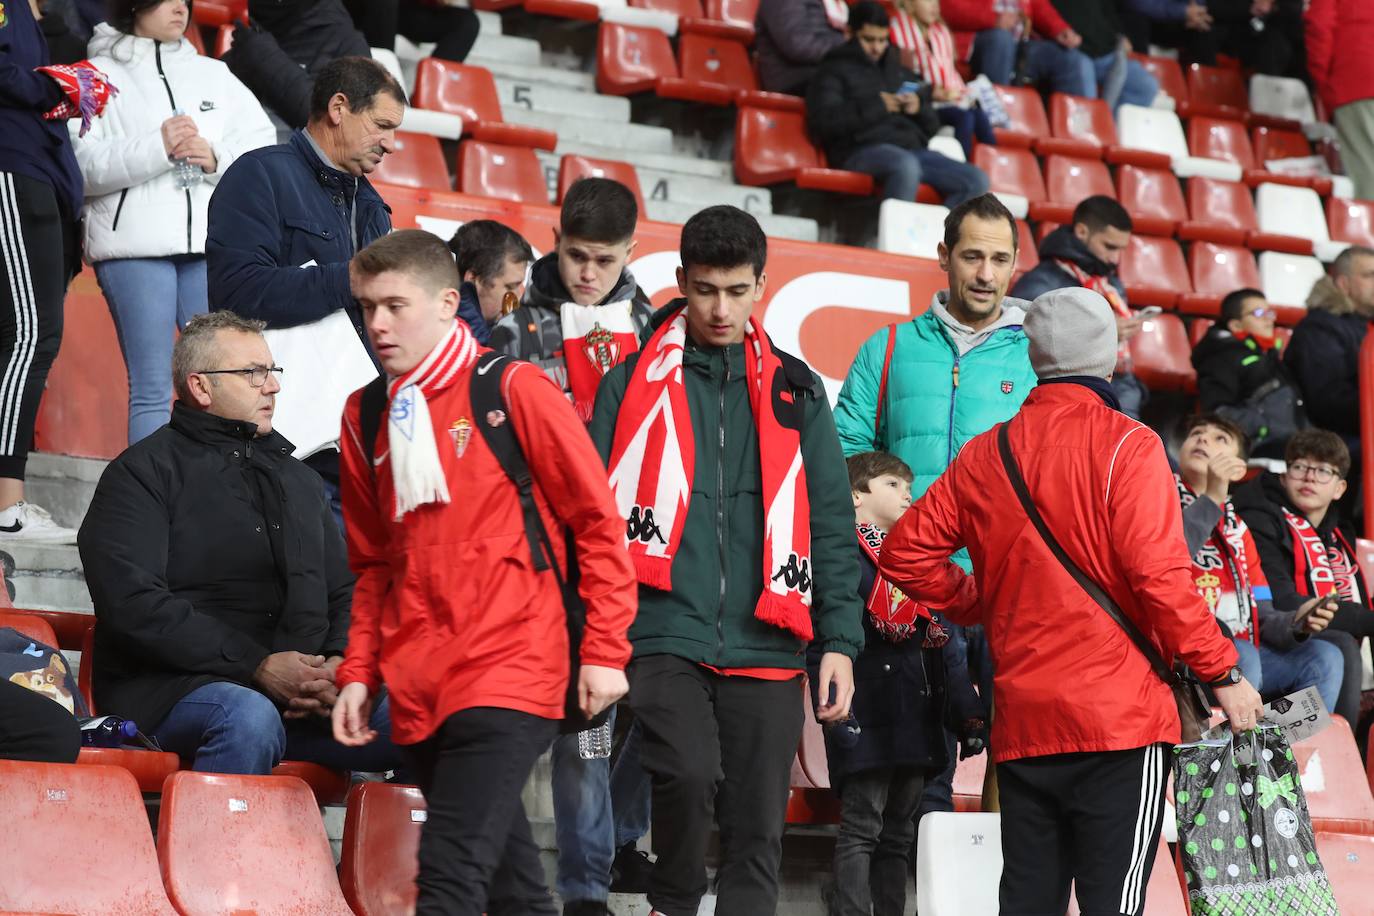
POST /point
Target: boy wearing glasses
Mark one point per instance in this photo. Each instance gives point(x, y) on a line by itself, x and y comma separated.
point(1241, 375)
point(1305, 551)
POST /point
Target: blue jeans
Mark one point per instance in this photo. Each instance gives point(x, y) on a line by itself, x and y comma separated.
point(968, 123)
point(149, 299)
point(582, 821)
point(1312, 663)
point(902, 170)
point(229, 728)
point(631, 791)
point(1131, 85)
point(994, 55)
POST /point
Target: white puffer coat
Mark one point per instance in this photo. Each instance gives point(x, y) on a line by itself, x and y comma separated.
point(133, 206)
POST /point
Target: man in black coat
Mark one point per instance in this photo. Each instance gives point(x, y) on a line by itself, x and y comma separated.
point(220, 581)
point(1324, 354)
point(873, 115)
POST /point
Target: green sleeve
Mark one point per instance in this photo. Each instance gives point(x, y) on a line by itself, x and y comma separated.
point(606, 411)
point(857, 408)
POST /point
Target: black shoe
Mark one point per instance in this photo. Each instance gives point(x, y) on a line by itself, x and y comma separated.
point(585, 908)
point(631, 870)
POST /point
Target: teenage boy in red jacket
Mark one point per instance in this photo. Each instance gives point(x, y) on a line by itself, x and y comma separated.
point(448, 611)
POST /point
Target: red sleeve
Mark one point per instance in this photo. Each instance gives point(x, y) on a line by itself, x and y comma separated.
point(968, 15)
point(1319, 28)
point(1046, 19)
point(1146, 525)
point(365, 530)
point(568, 472)
point(915, 555)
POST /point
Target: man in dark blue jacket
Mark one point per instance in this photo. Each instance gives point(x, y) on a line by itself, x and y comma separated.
point(285, 220)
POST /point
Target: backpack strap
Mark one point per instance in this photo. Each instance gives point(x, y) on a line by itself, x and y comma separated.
point(371, 407)
point(882, 385)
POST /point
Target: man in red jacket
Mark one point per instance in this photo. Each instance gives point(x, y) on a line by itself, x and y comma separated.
point(1339, 34)
point(1004, 32)
point(1082, 721)
point(448, 611)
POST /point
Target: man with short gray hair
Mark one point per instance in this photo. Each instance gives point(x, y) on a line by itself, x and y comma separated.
point(1324, 354)
point(220, 581)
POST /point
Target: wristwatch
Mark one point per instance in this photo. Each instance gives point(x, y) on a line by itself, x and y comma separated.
point(1229, 679)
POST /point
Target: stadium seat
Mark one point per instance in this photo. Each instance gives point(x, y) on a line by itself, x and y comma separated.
point(632, 59)
point(969, 775)
point(713, 70)
point(1197, 329)
point(1027, 113)
point(1215, 138)
point(70, 626)
point(1026, 255)
point(1154, 271)
point(1215, 92)
point(78, 842)
point(571, 168)
point(726, 18)
point(1334, 780)
point(1364, 552)
point(1159, 132)
point(1280, 98)
point(85, 676)
point(1084, 128)
point(31, 625)
point(504, 172)
point(690, 9)
point(149, 769)
point(1067, 181)
point(416, 162)
point(577, 10)
point(810, 799)
point(1276, 143)
point(216, 13)
point(958, 864)
point(1162, 356)
point(772, 146)
point(1222, 211)
point(381, 839)
point(911, 228)
point(330, 787)
point(1216, 270)
point(1287, 278)
point(1169, 75)
point(224, 40)
point(1294, 214)
point(1152, 197)
point(470, 93)
point(1013, 174)
point(1349, 863)
point(236, 844)
point(1164, 892)
point(1350, 221)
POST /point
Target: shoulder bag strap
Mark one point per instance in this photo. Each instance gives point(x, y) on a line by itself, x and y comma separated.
point(882, 385)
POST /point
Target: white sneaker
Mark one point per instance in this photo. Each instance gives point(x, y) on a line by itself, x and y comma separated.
point(27, 522)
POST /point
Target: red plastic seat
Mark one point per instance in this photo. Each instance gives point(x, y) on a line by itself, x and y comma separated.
point(571, 168)
point(234, 844)
point(631, 59)
point(1152, 197)
point(381, 840)
point(1081, 127)
point(1349, 863)
point(149, 769)
point(1164, 895)
point(1334, 780)
point(1011, 170)
point(1216, 92)
point(771, 147)
point(1027, 113)
point(1067, 181)
point(725, 18)
point(968, 783)
point(1216, 138)
point(78, 842)
point(578, 10)
point(1222, 212)
point(1217, 270)
point(1270, 142)
point(714, 70)
point(689, 8)
point(195, 39)
point(1027, 257)
point(224, 40)
point(70, 626)
point(1163, 359)
point(416, 162)
point(218, 12)
point(1350, 221)
point(470, 93)
point(31, 625)
point(1154, 272)
point(504, 172)
point(1167, 72)
point(330, 787)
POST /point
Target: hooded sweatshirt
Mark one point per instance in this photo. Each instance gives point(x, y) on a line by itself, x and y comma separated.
point(966, 338)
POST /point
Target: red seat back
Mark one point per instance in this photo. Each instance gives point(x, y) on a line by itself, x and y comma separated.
point(1073, 117)
point(1026, 255)
point(1334, 780)
point(771, 145)
point(1213, 138)
point(676, 7)
point(1151, 194)
point(1163, 359)
point(469, 92)
point(1069, 179)
point(1026, 110)
point(417, 161)
point(571, 168)
point(1220, 269)
point(381, 842)
point(1217, 87)
point(969, 775)
point(1011, 170)
point(711, 59)
point(31, 625)
point(1349, 864)
point(1276, 143)
point(1164, 892)
point(1167, 72)
point(735, 12)
point(232, 844)
point(631, 58)
point(1155, 265)
point(78, 842)
point(219, 12)
point(1229, 203)
point(1351, 221)
point(86, 674)
point(505, 172)
point(224, 39)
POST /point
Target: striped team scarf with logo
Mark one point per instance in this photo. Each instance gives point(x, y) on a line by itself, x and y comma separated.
point(935, 54)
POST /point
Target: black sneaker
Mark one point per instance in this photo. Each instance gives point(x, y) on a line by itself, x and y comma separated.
point(585, 908)
point(631, 870)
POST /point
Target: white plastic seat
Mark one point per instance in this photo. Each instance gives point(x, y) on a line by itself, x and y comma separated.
point(1287, 278)
point(947, 146)
point(1160, 131)
point(911, 228)
point(1288, 210)
point(959, 864)
point(1281, 97)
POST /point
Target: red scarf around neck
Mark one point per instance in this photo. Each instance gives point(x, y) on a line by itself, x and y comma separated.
point(596, 338)
point(1313, 572)
point(653, 459)
point(1220, 570)
point(891, 612)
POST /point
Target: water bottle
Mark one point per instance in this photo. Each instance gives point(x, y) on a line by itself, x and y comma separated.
point(595, 743)
point(186, 173)
point(107, 731)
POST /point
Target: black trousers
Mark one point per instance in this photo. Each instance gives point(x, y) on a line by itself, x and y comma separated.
point(38, 251)
point(477, 854)
point(877, 832)
point(33, 727)
point(1092, 819)
point(722, 744)
point(454, 28)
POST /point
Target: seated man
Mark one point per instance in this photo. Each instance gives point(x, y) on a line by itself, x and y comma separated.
point(1199, 29)
point(866, 110)
point(1119, 79)
point(220, 579)
point(492, 259)
point(793, 36)
point(1003, 50)
point(1086, 253)
point(1276, 655)
point(1241, 375)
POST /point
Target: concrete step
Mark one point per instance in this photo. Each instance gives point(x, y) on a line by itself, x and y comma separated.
point(774, 224)
point(620, 137)
point(505, 47)
point(672, 186)
point(489, 21)
point(48, 576)
point(63, 485)
point(548, 76)
point(532, 96)
point(672, 163)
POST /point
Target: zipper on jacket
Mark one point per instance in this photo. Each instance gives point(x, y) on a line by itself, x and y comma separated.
point(720, 507)
point(953, 395)
point(162, 75)
point(119, 208)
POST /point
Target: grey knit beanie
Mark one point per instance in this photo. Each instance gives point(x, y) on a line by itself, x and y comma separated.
point(1072, 332)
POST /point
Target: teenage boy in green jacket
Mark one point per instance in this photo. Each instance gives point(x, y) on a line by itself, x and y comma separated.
point(725, 465)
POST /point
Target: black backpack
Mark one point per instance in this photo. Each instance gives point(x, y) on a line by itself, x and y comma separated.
point(487, 397)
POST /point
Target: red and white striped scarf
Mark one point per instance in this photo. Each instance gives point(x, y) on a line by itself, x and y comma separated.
point(653, 459)
point(935, 53)
point(1314, 573)
point(1221, 570)
point(416, 472)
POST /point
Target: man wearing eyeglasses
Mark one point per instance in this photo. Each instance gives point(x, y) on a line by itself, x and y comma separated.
point(220, 580)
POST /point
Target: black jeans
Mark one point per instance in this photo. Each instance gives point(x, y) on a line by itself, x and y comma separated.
point(718, 743)
point(454, 28)
point(877, 830)
point(1090, 818)
point(477, 854)
point(33, 727)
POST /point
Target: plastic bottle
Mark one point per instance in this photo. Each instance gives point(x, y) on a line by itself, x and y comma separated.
point(186, 172)
point(107, 731)
point(595, 743)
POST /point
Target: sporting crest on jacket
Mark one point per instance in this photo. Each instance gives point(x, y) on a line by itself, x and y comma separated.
point(601, 347)
point(1008, 386)
point(460, 431)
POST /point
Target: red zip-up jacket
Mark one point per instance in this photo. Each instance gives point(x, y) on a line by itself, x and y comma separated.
point(448, 611)
point(1068, 678)
point(1339, 35)
point(976, 15)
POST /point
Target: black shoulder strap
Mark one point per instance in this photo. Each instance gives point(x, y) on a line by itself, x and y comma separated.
point(1018, 483)
point(797, 372)
point(370, 410)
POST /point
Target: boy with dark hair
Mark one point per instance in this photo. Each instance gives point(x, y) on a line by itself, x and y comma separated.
point(1305, 550)
point(492, 259)
point(903, 686)
point(1272, 639)
point(583, 312)
point(1241, 375)
point(727, 473)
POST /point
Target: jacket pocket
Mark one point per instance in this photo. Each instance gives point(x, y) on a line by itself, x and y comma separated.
point(119, 208)
point(309, 240)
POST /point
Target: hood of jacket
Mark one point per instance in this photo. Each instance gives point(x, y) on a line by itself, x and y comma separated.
point(966, 338)
point(1062, 244)
point(107, 41)
point(546, 289)
point(1326, 296)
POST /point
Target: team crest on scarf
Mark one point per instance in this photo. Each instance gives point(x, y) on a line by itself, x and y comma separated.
point(1209, 587)
point(602, 348)
point(460, 431)
point(891, 612)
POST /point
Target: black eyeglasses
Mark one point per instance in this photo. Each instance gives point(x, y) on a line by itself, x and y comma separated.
point(1317, 472)
point(257, 376)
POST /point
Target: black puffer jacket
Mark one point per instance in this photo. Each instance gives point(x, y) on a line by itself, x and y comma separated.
point(1324, 357)
point(206, 549)
point(1251, 387)
point(844, 110)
